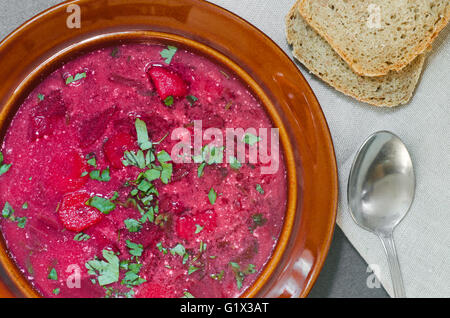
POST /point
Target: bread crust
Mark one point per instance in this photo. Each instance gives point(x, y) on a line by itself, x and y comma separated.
point(412, 74)
point(381, 70)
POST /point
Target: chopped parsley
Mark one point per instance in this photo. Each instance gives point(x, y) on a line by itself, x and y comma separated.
point(212, 196)
point(198, 228)
point(169, 101)
point(259, 189)
point(192, 269)
point(234, 163)
point(202, 247)
point(56, 291)
point(53, 275)
point(162, 171)
point(132, 277)
point(103, 205)
point(135, 249)
point(133, 225)
point(210, 155)
point(201, 169)
point(258, 220)
point(81, 237)
point(91, 160)
point(3, 166)
point(107, 271)
point(191, 99)
point(241, 274)
point(115, 52)
point(25, 206)
point(187, 295)
point(137, 159)
point(100, 175)
point(179, 249)
point(21, 222)
point(218, 276)
point(8, 213)
point(161, 248)
point(142, 135)
point(228, 105)
point(168, 53)
point(250, 139)
point(40, 97)
point(75, 78)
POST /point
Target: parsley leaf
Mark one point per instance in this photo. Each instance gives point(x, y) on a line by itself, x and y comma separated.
point(178, 250)
point(81, 237)
point(135, 249)
point(259, 189)
point(201, 169)
point(115, 52)
point(75, 78)
point(21, 222)
point(239, 274)
point(198, 228)
point(53, 275)
point(161, 248)
point(192, 269)
point(191, 99)
point(102, 176)
point(187, 295)
point(133, 225)
point(168, 53)
point(142, 135)
point(258, 220)
point(218, 276)
point(7, 211)
point(234, 163)
point(212, 196)
point(250, 139)
point(107, 271)
point(3, 167)
point(169, 101)
point(103, 205)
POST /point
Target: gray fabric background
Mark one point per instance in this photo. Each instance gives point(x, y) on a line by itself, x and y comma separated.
point(423, 239)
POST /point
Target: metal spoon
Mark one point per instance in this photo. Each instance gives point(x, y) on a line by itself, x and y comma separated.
point(380, 192)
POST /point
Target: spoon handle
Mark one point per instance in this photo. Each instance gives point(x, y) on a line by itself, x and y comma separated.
point(394, 266)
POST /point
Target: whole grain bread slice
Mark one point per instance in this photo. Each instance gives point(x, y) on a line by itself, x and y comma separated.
point(319, 57)
point(377, 36)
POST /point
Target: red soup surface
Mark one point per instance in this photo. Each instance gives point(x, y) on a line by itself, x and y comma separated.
point(94, 202)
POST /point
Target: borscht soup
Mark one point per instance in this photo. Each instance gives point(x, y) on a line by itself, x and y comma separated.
point(141, 170)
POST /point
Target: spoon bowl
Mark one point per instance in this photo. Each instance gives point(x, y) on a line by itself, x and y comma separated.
point(380, 192)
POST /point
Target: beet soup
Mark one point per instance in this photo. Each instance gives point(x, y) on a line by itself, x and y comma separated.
point(94, 205)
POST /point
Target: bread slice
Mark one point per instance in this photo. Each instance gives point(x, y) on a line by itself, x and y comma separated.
point(319, 57)
point(377, 36)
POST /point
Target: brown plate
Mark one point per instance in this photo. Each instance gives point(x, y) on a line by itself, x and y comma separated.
point(43, 43)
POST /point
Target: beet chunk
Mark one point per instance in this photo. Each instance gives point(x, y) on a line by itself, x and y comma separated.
point(171, 203)
point(116, 146)
point(187, 225)
point(65, 172)
point(45, 115)
point(75, 214)
point(167, 82)
point(93, 128)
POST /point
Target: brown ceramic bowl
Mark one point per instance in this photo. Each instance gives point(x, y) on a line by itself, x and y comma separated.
point(42, 44)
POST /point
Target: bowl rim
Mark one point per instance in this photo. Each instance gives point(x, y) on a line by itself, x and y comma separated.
point(319, 263)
